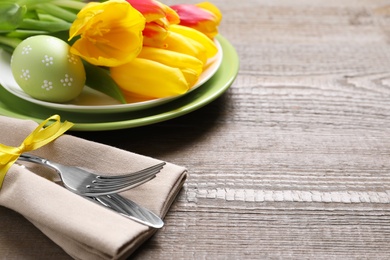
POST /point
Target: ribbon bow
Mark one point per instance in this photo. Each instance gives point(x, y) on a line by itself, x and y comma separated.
point(39, 137)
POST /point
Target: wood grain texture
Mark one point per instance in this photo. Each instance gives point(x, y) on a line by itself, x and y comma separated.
point(293, 161)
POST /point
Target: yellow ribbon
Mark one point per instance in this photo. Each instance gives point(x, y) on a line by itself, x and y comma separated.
point(39, 137)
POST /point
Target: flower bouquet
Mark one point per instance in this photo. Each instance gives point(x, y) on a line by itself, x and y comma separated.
point(123, 48)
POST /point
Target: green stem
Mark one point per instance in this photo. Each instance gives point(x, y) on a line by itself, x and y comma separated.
point(23, 34)
point(32, 4)
point(49, 18)
point(12, 42)
point(57, 11)
point(44, 25)
point(77, 5)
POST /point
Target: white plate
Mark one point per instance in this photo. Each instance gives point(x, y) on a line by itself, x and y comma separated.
point(92, 101)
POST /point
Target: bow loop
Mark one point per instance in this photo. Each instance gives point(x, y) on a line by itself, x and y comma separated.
point(39, 137)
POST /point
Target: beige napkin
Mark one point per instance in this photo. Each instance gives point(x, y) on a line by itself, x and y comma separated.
point(82, 228)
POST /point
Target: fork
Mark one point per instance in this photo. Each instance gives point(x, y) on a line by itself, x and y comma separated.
point(86, 183)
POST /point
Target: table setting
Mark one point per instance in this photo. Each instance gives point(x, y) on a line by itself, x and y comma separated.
point(70, 220)
point(102, 202)
point(263, 137)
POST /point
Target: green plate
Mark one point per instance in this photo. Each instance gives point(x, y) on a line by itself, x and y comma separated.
point(16, 107)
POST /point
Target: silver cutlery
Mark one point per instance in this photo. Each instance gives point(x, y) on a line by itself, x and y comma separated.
point(115, 202)
point(129, 209)
point(86, 183)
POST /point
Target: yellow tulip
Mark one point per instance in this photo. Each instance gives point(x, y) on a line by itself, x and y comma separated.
point(183, 44)
point(190, 66)
point(149, 78)
point(111, 33)
point(155, 33)
point(211, 48)
point(158, 18)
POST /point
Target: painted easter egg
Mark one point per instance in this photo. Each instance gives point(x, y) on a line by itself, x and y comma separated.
point(46, 70)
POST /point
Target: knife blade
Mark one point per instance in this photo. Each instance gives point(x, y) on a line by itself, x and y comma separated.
point(129, 209)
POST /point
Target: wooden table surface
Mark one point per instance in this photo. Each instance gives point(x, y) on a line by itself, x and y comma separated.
point(293, 161)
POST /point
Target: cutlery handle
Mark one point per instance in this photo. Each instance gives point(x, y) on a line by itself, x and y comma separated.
point(35, 159)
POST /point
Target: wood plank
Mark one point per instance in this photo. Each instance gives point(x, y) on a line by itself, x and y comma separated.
point(293, 160)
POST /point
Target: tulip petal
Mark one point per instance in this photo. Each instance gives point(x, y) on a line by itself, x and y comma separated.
point(154, 35)
point(155, 32)
point(183, 44)
point(211, 8)
point(153, 10)
point(190, 67)
point(158, 18)
point(198, 36)
point(204, 17)
point(149, 78)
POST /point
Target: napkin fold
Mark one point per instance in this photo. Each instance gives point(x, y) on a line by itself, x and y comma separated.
point(83, 229)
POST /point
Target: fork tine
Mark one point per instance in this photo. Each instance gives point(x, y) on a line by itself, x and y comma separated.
point(104, 186)
point(119, 188)
point(124, 176)
point(119, 185)
point(113, 181)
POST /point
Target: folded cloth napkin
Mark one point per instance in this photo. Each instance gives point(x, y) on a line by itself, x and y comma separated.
point(83, 229)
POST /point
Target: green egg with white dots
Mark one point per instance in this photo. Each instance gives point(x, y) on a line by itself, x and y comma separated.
point(45, 69)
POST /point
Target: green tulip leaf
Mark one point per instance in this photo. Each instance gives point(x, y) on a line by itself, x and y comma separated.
point(100, 80)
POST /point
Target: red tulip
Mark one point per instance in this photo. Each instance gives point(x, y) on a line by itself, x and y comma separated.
point(204, 17)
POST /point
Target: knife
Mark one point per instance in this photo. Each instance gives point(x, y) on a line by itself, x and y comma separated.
point(129, 209)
